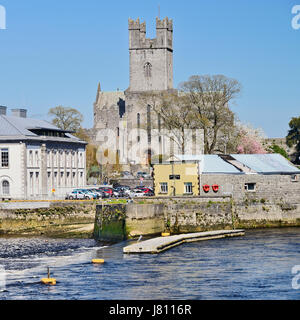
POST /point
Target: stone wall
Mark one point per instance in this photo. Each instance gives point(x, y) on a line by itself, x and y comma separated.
point(55, 219)
point(272, 188)
point(195, 214)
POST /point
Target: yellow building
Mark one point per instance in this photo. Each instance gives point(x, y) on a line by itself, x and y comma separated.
point(176, 179)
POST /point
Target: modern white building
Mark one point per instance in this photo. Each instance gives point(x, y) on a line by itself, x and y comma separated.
point(37, 159)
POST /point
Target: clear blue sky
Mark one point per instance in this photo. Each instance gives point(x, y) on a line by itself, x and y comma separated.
point(55, 52)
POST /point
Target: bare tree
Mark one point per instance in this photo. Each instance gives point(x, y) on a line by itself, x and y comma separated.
point(66, 118)
point(175, 114)
point(209, 97)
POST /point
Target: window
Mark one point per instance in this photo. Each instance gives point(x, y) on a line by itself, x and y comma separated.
point(138, 120)
point(294, 178)
point(80, 160)
point(4, 158)
point(5, 187)
point(68, 179)
point(37, 158)
point(30, 158)
point(49, 178)
point(163, 187)
point(37, 182)
point(148, 69)
point(74, 179)
point(188, 187)
point(31, 183)
point(55, 158)
point(55, 179)
point(73, 159)
point(61, 159)
point(68, 159)
point(48, 158)
point(250, 186)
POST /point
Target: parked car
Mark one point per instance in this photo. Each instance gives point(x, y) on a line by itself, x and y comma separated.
point(137, 193)
point(126, 174)
point(143, 174)
point(108, 191)
point(99, 192)
point(89, 194)
point(78, 195)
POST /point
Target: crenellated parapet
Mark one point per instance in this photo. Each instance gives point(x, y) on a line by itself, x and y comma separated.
point(137, 34)
point(164, 24)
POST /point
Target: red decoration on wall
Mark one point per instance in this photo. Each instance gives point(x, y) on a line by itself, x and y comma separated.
point(206, 188)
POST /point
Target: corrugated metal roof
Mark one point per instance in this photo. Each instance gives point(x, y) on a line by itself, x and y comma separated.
point(209, 163)
point(187, 157)
point(266, 163)
point(214, 164)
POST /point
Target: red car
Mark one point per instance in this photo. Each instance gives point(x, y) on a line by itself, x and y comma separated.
point(107, 191)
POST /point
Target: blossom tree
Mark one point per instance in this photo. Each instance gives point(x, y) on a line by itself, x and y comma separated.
point(250, 140)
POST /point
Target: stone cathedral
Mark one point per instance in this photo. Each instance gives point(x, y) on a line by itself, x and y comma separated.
point(151, 69)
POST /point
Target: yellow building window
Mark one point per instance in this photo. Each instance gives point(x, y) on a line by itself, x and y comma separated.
point(188, 188)
point(163, 187)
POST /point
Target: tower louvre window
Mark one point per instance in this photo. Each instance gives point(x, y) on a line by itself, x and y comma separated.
point(148, 69)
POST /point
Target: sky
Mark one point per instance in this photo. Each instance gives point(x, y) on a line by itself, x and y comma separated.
point(54, 52)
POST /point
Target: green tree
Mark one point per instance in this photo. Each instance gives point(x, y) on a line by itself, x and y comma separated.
point(274, 148)
point(66, 118)
point(293, 137)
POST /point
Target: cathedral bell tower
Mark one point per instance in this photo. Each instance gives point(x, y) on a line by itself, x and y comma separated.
point(151, 60)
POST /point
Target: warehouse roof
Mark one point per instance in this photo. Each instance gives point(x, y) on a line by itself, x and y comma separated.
point(241, 163)
point(266, 163)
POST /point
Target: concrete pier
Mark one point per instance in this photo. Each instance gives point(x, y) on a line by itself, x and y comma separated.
point(161, 244)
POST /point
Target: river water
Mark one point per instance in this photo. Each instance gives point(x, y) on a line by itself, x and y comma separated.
point(256, 266)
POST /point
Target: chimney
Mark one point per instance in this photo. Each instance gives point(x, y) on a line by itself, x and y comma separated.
point(3, 110)
point(21, 113)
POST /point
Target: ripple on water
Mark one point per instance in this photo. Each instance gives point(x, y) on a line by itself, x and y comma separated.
point(256, 266)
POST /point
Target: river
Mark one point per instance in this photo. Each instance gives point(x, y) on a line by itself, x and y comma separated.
point(256, 266)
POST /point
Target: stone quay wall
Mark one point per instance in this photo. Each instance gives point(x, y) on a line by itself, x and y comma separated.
point(54, 219)
point(195, 214)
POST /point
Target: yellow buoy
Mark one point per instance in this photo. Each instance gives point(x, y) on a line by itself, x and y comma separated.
point(165, 234)
point(50, 281)
point(98, 261)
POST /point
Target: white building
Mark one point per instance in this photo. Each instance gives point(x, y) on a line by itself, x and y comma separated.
point(37, 159)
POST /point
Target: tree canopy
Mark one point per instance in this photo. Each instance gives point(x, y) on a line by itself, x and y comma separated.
point(66, 118)
point(293, 137)
point(210, 96)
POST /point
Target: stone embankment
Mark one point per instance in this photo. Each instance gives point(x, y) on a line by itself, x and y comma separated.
point(53, 219)
point(178, 215)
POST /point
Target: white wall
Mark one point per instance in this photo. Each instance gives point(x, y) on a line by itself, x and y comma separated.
point(14, 173)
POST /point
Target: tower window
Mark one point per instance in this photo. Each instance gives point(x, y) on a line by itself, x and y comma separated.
point(148, 70)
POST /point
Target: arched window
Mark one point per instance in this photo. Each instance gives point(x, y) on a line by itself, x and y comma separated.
point(138, 120)
point(148, 69)
point(5, 187)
